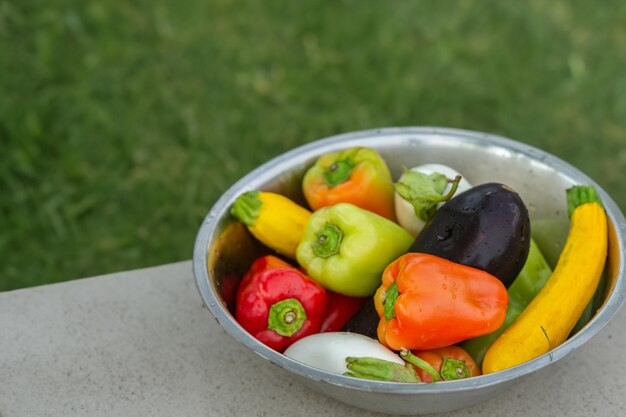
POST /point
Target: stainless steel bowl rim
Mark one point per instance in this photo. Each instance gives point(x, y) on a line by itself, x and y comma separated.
point(301, 154)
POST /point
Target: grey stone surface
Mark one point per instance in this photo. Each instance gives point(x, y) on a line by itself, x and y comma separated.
point(140, 343)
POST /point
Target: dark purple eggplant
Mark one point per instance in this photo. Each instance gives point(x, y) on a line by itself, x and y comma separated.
point(365, 321)
point(486, 227)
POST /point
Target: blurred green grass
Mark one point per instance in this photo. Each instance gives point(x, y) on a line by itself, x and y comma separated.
point(121, 122)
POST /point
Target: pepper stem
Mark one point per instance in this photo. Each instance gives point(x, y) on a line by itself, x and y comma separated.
point(579, 195)
point(420, 363)
point(286, 317)
point(390, 300)
point(454, 369)
point(328, 241)
point(338, 172)
point(246, 207)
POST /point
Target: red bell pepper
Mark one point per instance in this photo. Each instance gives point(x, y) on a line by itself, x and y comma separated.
point(277, 304)
point(339, 310)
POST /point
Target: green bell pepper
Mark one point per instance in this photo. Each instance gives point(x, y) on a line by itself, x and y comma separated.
point(524, 288)
point(346, 248)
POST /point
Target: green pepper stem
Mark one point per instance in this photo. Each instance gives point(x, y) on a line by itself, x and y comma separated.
point(420, 363)
point(579, 195)
point(452, 369)
point(338, 172)
point(246, 208)
point(390, 301)
point(286, 317)
point(328, 241)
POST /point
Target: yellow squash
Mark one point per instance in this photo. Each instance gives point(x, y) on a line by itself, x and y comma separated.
point(550, 317)
point(273, 219)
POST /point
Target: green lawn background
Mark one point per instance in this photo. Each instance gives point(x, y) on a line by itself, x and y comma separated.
point(121, 122)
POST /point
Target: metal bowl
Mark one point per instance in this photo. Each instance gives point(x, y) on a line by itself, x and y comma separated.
point(224, 249)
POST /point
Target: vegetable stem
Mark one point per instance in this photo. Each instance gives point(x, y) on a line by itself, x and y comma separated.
point(455, 185)
point(423, 191)
point(452, 369)
point(390, 301)
point(338, 172)
point(579, 195)
point(328, 241)
point(286, 317)
point(420, 363)
point(380, 370)
point(246, 208)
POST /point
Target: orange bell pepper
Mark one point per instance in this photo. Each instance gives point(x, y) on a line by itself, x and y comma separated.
point(427, 302)
point(450, 363)
point(357, 176)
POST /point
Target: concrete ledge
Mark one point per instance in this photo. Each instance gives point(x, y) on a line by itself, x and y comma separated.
point(140, 343)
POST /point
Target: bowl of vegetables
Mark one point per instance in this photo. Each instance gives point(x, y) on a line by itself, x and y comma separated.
point(412, 270)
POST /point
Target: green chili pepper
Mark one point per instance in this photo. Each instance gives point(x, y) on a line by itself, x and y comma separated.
point(346, 248)
point(524, 288)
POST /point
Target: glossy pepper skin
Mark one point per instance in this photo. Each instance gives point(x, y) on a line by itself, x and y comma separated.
point(279, 305)
point(427, 302)
point(339, 310)
point(451, 362)
point(357, 176)
point(346, 248)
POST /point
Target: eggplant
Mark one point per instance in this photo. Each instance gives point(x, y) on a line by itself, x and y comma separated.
point(486, 227)
point(365, 321)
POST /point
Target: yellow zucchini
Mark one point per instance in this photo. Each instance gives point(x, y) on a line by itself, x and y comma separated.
point(550, 317)
point(273, 219)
